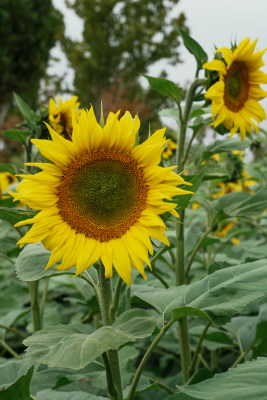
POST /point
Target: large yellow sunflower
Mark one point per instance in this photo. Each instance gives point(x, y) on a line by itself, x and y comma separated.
point(235, 96)
point(101, 196)
point(60, 115)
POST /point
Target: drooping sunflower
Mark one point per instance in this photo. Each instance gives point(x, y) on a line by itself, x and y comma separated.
point(235, 96)
point(60, 115)
point(101, 196)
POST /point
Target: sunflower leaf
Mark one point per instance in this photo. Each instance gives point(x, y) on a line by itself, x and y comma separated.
point(246, 382)
point(19, 390)
point(243, 204)
point(196, 180)
point(71, 346)
point(52, 394)
point(16, 134)
point(220, 146)
point(31, 262)
point(165, 87)
point(26, 111)
point(243, 284)
point(194, 48)
point(14, 215)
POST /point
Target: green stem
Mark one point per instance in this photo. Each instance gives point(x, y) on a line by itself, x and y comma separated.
point(10, 350)
point(184, 121)
point(13, 330)
point(161, 384)
point(159, 277)
point(110, 385)
point(145, 359)
point(115, 305)
point(42, 306)
point(36, 317)
point(180, 262)
point(195, 250)
point(189, 147)
point(7, 258)
point(197, 349)
point(106, 301)
point(244, 353)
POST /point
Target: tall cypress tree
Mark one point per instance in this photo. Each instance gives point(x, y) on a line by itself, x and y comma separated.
point(121, 39)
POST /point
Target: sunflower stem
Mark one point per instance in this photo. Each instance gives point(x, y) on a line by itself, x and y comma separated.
point(197, 246)
point(145, 359)
point(180, 262)
point(112, 361)
point(115, 304)
point(36, 316)
point(198, 347)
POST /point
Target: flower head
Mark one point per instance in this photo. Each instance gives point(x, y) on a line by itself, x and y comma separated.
point(235, 96)
point(6, 179)
point(101, 196)
point(169, 149)
point(60, 115)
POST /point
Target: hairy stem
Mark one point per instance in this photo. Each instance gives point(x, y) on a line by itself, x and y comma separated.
point(113, 367)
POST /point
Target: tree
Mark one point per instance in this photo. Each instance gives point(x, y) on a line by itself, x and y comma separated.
point(121, 39)
point(28, 30)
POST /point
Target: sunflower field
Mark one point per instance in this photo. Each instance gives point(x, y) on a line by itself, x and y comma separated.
point(133, 262)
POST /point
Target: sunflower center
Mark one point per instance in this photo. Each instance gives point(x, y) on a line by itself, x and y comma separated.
point(102, 195)
point(236, 86)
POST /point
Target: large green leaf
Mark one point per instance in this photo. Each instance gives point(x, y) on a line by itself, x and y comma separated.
point(220, 146)
point(16, 134)
point(243, 204)
point(238, 204)
point(194, 48)
point(219, 296)
point(246, 382)
point(165, 87)
point(31, 262)
point(70, 346)
point(20, 390)
point(14, 215)
point(12, 370)
point(54, 395)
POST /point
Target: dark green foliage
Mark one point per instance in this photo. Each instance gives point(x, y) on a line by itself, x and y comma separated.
point(28, 30)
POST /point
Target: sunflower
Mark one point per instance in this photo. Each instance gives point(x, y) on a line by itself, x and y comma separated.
point(169, 149)
point(235, 96)
point(101, 196)
point(60, 115)
point(6, 179)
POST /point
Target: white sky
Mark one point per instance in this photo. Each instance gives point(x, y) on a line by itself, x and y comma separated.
point(211, 22)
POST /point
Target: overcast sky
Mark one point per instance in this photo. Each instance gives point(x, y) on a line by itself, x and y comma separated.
point(211, 22)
